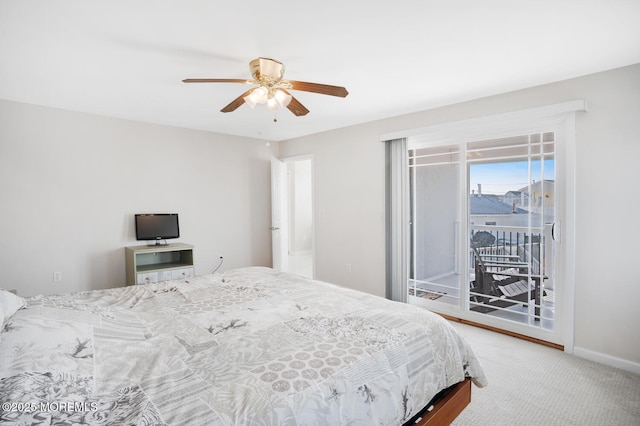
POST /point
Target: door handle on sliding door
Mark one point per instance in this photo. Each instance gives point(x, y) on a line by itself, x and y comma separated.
point(555, 231)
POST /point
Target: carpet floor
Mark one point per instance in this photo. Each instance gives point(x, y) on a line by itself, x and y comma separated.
point(531, 384)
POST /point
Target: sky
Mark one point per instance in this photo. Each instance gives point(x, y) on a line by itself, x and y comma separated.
point(499, 178)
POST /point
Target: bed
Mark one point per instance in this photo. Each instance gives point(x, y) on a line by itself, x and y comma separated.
point(249, 346)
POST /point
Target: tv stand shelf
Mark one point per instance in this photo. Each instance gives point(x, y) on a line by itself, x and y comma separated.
point(148, 264)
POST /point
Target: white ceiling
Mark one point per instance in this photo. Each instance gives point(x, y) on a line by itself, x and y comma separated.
point(126, 58)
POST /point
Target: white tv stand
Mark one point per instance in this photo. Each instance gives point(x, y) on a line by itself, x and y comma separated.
point(150, 264)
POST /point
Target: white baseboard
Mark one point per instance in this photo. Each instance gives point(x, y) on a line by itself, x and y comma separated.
point(609, 360)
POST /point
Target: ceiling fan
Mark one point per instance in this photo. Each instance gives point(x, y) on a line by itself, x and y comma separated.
point(272, 89)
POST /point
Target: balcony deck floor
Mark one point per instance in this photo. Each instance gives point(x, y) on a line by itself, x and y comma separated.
point(450, 284)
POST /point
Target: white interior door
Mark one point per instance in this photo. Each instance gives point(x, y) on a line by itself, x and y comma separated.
point(279, 227)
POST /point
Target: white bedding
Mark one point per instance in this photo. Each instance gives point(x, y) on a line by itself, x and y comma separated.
point(250, 346)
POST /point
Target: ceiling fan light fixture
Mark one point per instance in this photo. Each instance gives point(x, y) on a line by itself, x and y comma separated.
point(282, 97)
point(250, 101)
point(259, 95)
point(272, 104)
point(272, 89)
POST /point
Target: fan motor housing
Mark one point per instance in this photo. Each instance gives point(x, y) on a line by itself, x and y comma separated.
point(266, 70)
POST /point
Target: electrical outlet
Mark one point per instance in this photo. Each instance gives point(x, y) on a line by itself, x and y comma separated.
point(348, 267)
point(57, 276)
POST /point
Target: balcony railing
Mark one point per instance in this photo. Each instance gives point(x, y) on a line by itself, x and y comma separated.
point(517, 244)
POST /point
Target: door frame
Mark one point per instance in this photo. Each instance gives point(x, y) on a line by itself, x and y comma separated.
point(282, 234)
point(279, 226)
point(559, 116)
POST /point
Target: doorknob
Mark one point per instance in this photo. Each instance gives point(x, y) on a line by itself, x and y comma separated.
point(273, 228)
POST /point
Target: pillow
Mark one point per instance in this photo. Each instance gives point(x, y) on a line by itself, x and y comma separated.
point(9, 305)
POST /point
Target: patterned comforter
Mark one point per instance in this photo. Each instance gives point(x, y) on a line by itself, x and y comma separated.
point(247, 347)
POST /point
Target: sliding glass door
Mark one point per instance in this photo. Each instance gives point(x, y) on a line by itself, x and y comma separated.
point(435, 209)
point(482, 218)
point(511, 216)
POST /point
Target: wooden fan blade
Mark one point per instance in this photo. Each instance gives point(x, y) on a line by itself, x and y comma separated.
point(236, 102)
point(324, 89)
point(296, 107)
point(215, 80)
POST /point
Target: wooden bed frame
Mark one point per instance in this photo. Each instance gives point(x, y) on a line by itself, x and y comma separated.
point(445, 406)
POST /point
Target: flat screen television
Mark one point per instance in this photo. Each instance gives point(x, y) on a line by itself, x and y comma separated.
point(157, 226)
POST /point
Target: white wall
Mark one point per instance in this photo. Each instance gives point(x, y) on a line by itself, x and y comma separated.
point(348, 168)
point(70, 184)
point(350, 190)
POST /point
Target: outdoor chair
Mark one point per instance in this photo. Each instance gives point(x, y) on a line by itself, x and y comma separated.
point(502, 281)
